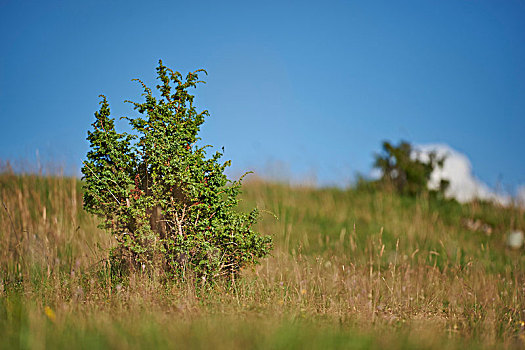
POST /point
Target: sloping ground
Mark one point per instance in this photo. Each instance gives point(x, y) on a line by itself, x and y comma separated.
point(350, 270)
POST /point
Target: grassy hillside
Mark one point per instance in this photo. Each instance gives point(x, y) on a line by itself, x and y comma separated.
point(350, 269)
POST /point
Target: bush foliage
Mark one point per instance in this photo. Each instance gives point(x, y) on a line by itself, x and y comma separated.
point(404, 171)
point(165, 201)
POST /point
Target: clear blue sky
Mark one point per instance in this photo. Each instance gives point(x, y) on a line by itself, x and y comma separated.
point(313, 85)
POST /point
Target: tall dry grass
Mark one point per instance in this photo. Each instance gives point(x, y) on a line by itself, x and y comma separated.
point(350, 269)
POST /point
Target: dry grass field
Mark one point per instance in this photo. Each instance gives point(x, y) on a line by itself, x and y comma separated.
point(351, 269)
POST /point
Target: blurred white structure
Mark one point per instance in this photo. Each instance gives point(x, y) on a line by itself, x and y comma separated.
point(464, 186)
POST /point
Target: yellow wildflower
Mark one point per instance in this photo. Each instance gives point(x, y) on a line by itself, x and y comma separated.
point(50, 313)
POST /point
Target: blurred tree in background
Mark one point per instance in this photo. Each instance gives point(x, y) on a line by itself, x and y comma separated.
point(405, 171)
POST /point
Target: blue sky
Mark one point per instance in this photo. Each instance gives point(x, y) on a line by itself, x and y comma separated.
point(294, 88)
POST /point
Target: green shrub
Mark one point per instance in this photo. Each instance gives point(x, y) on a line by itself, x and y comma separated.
point(168, 204)
point(404, 172)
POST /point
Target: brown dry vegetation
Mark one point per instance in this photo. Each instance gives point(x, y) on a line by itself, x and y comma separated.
point(351, 269)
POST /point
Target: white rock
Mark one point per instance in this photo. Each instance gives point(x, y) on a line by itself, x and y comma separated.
point(515, 239)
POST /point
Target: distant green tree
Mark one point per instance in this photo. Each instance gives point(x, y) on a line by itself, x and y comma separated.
point(165, 201)
point(404, 171)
